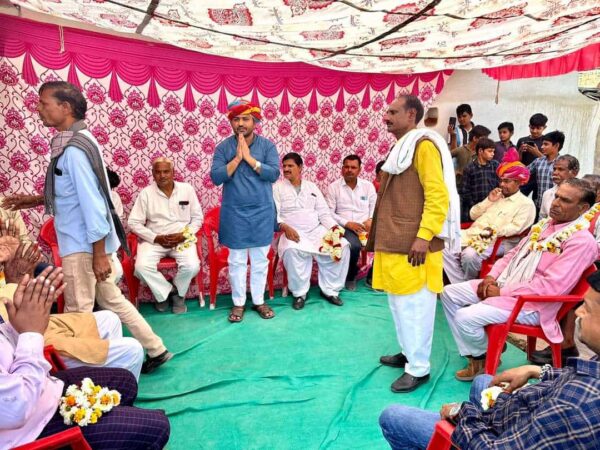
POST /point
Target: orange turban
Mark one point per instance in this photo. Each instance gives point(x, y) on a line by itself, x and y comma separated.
point(242, 107)
point(512, 168)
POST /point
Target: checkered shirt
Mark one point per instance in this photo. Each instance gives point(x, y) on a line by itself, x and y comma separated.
point(562, 411)
point(477, 182)
point(541, 172)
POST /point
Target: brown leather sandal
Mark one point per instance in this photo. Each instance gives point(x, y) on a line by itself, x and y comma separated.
point(237, 314)
point(264, 310)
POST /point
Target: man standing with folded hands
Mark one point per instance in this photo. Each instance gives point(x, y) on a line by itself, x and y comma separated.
point(246, 165)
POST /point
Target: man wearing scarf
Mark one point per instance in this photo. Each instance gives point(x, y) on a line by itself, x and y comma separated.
point(549, 261)
point(246, 165)
point(505, 212)
point(87, 228)
point(417, 213)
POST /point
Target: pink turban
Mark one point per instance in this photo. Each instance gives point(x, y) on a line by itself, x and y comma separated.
point(242, 107)
point(512, 168)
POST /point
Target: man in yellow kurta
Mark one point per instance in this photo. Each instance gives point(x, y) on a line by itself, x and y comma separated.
point(412, 207)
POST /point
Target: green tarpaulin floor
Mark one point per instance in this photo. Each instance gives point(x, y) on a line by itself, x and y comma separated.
point(306, 379)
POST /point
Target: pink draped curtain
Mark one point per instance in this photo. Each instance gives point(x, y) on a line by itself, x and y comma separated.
point(147, 100)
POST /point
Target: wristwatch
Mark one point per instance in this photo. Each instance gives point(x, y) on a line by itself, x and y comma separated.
point(257, 165)
point(454, 410)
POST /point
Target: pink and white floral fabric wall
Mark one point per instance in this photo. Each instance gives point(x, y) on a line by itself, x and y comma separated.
point(147, 100)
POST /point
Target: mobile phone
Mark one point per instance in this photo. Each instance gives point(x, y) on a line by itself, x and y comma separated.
point(530, 143)
point(452, 122)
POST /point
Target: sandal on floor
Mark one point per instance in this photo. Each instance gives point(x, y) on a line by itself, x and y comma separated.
point(236, 314)
point(264, 311)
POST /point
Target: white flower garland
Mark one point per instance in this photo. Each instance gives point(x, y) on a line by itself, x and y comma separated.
point(85, 405)
point(482, 241)
point(332, 243)
point(190, 238)
point(489, 396)
point(553, 242)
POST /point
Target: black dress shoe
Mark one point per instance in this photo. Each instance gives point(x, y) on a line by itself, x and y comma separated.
point(299, 302)
point(542, 357)
point(333, 299)
point(398, 360)
point(408, 383)
point(151, 364)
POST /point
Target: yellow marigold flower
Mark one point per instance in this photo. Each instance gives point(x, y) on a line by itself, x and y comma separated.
point(79, 415)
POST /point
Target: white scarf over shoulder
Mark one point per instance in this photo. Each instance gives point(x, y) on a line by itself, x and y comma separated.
point(400, 159)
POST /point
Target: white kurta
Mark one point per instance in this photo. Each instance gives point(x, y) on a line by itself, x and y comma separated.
point(307, 213)
point(156, 214)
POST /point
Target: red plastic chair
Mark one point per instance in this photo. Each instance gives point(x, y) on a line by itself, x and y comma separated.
point(217, 257)
point(48, 235)
point(497, 333)
point(133, 283)
point(52, 356)
point(441, 439)
point(73, 437)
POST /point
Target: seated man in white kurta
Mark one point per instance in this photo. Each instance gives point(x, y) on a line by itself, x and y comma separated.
point(161, 213)
point(304, 217)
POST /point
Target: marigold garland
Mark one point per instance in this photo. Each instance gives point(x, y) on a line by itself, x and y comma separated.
point(553, 242)
point(591, 213)
point(84, 405)
point(332, 243)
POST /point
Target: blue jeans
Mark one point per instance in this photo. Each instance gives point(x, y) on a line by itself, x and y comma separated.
point(408, 428)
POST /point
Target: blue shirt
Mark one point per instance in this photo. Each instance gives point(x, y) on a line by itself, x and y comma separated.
point(247, 210)
point(562, 411)
point(81, 213)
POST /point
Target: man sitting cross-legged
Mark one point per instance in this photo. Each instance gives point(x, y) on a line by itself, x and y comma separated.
point(30, 396)
point(505, 212)
point(304, 217)
point(549, 261)
point(559, 412)
point(159, 216)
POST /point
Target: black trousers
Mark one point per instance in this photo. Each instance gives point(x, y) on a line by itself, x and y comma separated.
point(355, 248)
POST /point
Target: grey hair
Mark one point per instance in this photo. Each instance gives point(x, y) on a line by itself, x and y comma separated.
point(572, 162)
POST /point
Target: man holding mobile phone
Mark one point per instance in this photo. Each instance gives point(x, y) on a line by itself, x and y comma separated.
point(460, 135)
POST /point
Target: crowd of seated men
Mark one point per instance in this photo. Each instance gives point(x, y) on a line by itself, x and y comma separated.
point(493, 180)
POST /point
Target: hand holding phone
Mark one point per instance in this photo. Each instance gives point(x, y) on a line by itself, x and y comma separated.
point(451, 125)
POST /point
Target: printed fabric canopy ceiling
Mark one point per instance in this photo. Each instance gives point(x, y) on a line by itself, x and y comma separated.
point(353, 35)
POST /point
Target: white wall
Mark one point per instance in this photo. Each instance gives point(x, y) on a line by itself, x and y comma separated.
point(556, 97)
